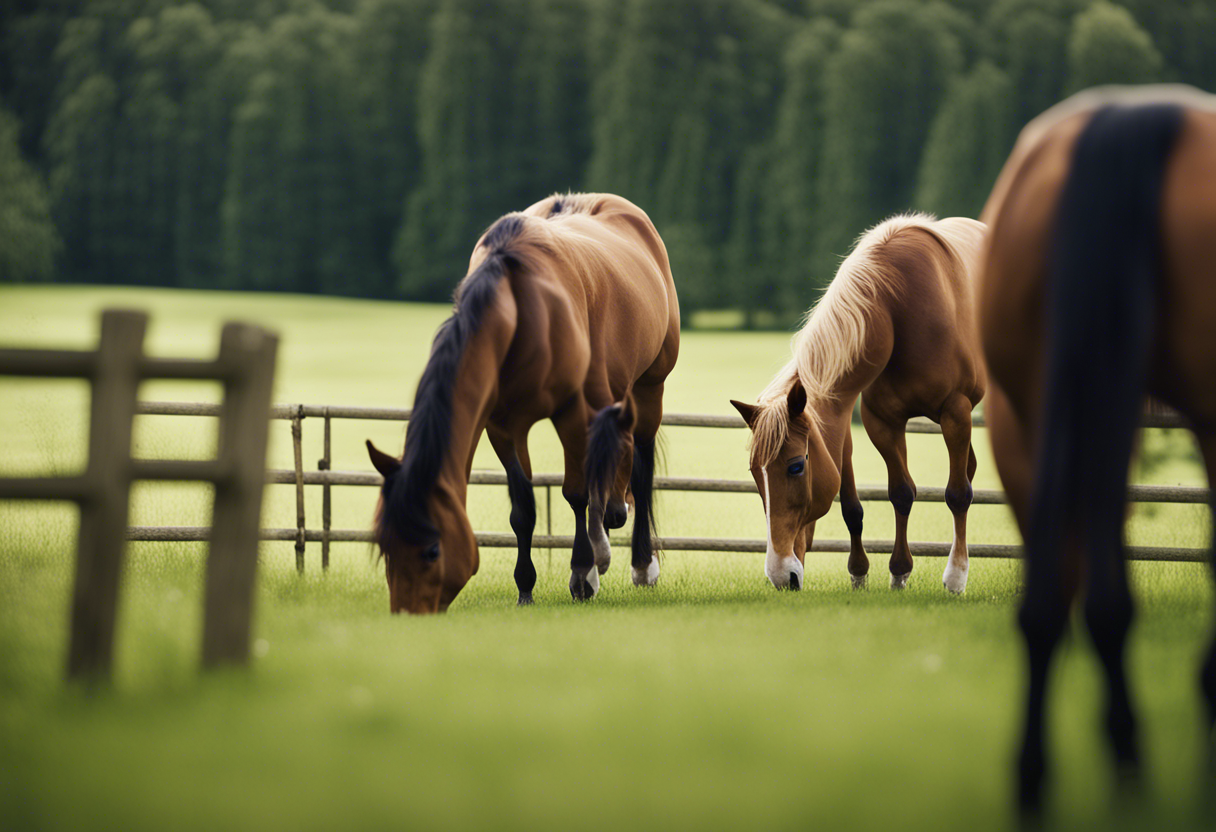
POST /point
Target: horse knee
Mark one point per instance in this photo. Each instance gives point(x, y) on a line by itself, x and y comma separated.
point(902, 496)
point(958, 498)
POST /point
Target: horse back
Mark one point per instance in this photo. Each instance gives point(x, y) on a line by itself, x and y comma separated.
point(934, 344)
point(610, 260)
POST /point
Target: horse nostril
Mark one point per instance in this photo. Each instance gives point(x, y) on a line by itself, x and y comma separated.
point(794, 585)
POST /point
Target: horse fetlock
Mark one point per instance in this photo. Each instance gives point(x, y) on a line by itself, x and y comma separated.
point(647, 575)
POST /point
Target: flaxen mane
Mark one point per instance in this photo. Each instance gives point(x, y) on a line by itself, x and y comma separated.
point(833, 339)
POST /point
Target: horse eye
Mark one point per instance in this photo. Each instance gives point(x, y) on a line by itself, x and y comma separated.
point(796, 469)
point(432, 554)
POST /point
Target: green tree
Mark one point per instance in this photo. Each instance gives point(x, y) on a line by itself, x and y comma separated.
point(470, 143)
point(790, 197)
point(28, 242)
point(392, 42)
point(1107, 46)
point(968, 143)
point(882, 87)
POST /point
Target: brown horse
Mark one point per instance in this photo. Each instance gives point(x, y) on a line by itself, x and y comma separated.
point(1097, 289)
point(895, 327)
point(568, 312)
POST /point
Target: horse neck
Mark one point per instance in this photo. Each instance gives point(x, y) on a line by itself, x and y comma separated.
point(473, 397)
point(833, 418)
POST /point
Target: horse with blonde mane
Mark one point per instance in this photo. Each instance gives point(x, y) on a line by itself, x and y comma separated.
point(1096, 291)
point(895, 327)
point(569, 313)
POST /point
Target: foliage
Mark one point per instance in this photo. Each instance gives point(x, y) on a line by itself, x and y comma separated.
point(360, 146)
point(27, 237)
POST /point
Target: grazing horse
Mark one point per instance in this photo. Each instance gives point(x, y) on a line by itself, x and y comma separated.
point(1096, 289)
point(568, 312)
point(895, 327)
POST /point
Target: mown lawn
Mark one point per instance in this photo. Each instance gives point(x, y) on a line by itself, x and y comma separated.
point(710, 702)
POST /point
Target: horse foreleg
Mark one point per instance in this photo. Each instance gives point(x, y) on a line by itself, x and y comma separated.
point(571, 426)
point(892, 444)
point(955, 420)
point(851, 510)
point(514, 458)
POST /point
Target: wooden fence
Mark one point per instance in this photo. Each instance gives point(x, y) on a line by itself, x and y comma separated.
point(245, 365)
point(327, 479)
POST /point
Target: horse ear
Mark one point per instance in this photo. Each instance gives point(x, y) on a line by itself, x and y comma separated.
point(747, 411)
point(385, 464)
point(796, 399)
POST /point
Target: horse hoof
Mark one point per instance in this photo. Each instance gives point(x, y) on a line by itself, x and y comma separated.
point(795, 582)
point(602, 567)
point(584, 587)
point(954, 578)
point(859, 581)
point(900, 581)
point(649, 576)
point(525, 599)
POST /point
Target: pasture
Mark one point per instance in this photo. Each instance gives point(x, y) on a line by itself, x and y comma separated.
point(711, 701)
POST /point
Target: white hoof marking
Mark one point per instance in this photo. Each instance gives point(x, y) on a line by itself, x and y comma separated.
point(954, 579)
point(859, 581)
point(648, 576)
point(899, 581)
point(600, 547)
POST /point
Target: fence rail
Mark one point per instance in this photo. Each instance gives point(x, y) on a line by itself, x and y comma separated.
point(327, 479)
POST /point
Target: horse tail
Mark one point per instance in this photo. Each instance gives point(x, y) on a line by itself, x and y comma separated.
point(605, 442)
point(1102, 297)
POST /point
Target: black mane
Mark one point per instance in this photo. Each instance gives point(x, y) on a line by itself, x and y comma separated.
point(403, 516)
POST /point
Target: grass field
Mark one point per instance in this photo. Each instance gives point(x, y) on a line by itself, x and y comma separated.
point(709, 702)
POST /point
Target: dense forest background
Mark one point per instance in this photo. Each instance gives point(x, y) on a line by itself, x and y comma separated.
point(358, 147)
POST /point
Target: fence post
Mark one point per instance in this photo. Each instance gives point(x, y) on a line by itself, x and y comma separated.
point(106, 505)
point(324, 464)
point(249, 352)
point(297, 437)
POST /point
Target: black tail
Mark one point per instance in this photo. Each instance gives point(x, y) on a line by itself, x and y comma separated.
point(1102, 303)
point(641, 483)
point(605, 439)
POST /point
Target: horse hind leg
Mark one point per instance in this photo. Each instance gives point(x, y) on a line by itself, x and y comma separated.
point(956, 431)
point(571, 426)
point(644, 560)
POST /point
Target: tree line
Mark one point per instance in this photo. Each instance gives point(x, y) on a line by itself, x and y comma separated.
point(358, 147)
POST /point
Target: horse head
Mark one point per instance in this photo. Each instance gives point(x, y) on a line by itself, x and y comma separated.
point(793, 473)
point(427, 542)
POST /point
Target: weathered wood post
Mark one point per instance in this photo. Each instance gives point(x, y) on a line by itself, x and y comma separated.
point(248, 352)
point(105, 501)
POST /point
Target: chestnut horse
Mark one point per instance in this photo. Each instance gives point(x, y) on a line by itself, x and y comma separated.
point(895, 327)
point(568, 312)
point(1097, 289)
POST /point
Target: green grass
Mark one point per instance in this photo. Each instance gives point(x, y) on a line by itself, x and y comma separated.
point(709, 702)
